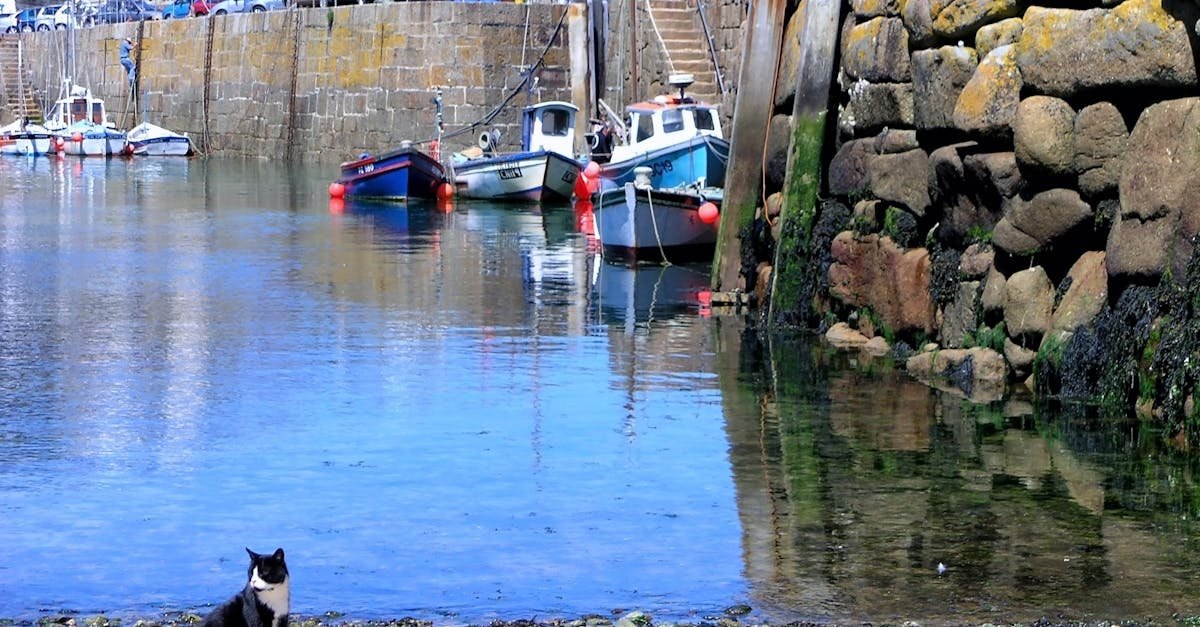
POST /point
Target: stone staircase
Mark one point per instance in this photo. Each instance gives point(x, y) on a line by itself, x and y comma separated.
point(20, 99)
point(683, 36)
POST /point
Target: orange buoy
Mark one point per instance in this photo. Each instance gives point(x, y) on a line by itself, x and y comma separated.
point(708, 213)
point(592, 169)
point(445, 191)
point(77, 137)
point(581, 187)
point(336, 190)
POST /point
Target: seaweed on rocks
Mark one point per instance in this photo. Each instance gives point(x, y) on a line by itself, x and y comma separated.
point(943, 279)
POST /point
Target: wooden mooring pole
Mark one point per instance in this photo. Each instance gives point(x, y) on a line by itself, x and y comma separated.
point(814, 78)
point(751, 116)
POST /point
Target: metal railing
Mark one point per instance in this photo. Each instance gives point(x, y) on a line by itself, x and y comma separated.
point(712, 48)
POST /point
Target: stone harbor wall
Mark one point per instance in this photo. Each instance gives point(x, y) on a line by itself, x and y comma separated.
point(323, 83)
point(1011, 191)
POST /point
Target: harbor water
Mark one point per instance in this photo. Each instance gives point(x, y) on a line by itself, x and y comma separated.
point(460, 414)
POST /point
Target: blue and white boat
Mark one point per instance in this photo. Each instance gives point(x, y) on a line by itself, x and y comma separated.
point(85, 138)
point(544, 170)
point(640, 223)
point(678, 138)
point(81, 126)
point(25, 139)
point(404, 173)
point(152, 140)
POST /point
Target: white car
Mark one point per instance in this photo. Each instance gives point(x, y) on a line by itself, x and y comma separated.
point(45, 18)
point(84, 17)
point(8, 23)
point(245, 6)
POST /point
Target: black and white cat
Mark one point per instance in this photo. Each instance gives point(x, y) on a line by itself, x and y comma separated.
point(263, 602)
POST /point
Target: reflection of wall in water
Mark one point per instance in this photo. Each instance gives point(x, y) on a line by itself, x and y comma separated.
point(848, 510)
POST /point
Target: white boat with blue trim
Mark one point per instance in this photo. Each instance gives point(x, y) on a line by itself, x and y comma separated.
point(152, 140)
point(544, 170)
point(638, 223)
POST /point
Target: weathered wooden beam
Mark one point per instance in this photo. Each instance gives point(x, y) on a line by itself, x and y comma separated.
point(751, 116)
point(814, 77)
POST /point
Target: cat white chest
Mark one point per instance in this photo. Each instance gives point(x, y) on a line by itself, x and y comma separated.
point(276, 597)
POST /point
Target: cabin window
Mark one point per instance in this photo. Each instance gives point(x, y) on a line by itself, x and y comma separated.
point(78, 110)
point(555, 122)
point(645, 127)
point(97, 113)
point(672, 120)
point(704, 119)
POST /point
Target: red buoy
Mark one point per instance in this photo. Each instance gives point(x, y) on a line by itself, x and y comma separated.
point(445, 191)
point(77, 137)
point(336, 190)
point(581, 187)
point(709, 213)
point(592, 169)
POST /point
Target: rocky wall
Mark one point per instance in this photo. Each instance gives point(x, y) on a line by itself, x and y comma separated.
point(1011, 191)
point(323, 83)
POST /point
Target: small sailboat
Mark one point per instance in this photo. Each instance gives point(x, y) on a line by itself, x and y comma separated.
point(152, 140)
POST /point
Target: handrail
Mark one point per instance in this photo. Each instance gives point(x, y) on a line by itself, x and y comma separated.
point(666, 51)
point(712, 48)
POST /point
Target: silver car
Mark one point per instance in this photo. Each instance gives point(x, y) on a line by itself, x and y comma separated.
point(246, 6)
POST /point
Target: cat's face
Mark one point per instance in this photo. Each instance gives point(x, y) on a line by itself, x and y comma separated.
point(271, 569)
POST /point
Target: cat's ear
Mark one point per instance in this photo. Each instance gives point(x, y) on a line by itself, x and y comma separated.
point(253, 556)
point(278, 554)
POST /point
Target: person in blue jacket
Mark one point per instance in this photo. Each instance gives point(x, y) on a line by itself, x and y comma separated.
point(126, 61)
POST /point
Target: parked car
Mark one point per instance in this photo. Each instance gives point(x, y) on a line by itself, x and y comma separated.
point(83, 17)
point(177, 9)
point(116, 11)
point(202, 7)
point(45, 17)
point(27, 20)
point(245, 6)
point(8, 22)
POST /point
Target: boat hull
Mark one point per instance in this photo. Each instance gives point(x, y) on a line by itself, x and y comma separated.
point(26, 144)
point(398, 175)
point(537, 176)
point(653, 225)
point(156, 141)
point(700, 158)
point(95, 141)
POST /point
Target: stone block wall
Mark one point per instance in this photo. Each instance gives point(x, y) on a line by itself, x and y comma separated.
point(325, 83)
point(1019, 179)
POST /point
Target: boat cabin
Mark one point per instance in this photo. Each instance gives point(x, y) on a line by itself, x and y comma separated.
point(78, 105)
point(549, 126)
point(668, 120)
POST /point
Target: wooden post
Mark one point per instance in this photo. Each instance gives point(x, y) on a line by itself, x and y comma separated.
point(790, 299)
point(751, 117)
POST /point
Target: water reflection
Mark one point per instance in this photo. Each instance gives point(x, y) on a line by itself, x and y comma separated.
point(460, 411)
point(854, 485)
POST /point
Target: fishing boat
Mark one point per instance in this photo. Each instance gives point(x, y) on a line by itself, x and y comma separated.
point(25, 138)
point(544, 169)
point(404, 173)
point(152, 140)
point(85, 138)
point(641, 223)
point(677, 137)
point(81, 126)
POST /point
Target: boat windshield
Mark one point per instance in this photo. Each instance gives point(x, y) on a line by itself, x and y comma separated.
point(556, 122)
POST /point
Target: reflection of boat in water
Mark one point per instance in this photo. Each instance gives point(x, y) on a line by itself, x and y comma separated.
point(640, 293)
